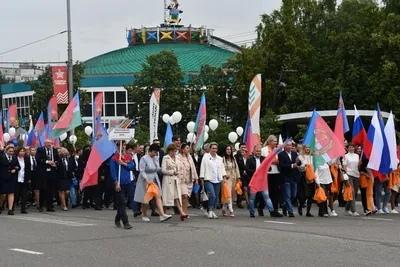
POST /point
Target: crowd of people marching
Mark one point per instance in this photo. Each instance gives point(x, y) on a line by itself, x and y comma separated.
point(181, 178)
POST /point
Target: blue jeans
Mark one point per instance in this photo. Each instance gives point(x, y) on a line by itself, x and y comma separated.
point(267, 200)
point(213, 190)
point(378, 194)
point(289, 193)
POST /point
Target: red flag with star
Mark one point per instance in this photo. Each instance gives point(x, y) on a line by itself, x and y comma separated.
point(60, 84)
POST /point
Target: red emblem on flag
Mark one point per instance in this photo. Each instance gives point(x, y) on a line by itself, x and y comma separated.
point(60, 84)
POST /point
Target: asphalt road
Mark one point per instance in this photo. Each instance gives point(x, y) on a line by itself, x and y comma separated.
point(89, 238)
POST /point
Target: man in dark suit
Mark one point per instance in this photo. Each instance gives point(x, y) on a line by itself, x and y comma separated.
point(263, 199)
point(289, 168)
point(47, 158)
point(239, 156)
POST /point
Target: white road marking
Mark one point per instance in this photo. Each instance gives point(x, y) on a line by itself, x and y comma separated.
point(278, 222)
point(26, 251)
point(210, 253)
point(44, 220)
point(377, 219)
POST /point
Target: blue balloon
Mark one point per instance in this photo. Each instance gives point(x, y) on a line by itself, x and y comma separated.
point(15, 141)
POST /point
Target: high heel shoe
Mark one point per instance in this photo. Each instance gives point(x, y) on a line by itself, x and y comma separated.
point(183, 217)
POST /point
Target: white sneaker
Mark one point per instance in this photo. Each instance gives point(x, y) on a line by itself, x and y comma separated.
point(214, 215)
point(165, 217)
point(210, 215)
point(205, 211)
point(380, 212)
point(347, 213)
point(332, 213)
point(386, 210)
point(355, 214)
point(145, 219)
point(394, 211)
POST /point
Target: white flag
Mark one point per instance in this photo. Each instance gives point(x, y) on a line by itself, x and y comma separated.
point(154, 114)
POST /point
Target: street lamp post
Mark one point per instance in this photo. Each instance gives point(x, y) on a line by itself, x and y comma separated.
point(278, 84)
point(69, 64)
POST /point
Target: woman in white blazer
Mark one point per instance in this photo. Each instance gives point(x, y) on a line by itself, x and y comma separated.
point(212, 172)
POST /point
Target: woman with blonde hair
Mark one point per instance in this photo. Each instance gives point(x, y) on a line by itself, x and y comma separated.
point(171, 186)
point(275, 182)
point(232, 175)
point(187, 174)
point(306, 187)
point(212, 171)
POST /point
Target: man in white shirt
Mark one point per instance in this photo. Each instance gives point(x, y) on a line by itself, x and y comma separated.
point(134, 175)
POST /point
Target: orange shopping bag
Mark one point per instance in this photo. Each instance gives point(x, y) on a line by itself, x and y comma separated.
point(238, 187)
point(320, 195)
point(335, 177)
point(310, 174)
point(348, 193)
point(225, 194)
point(151, 192)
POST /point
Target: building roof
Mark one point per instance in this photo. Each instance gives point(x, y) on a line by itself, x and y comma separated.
point(326, 113)
point(129, 60)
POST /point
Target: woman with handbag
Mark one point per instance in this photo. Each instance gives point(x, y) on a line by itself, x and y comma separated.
point(171, 185)
point(232, 175)
point(324, 180)
point(307, 180)
point(350, 165)
point(212, 171)
point(149, 166)
point(187, 174)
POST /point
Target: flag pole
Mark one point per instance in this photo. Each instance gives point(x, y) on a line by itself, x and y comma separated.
point(70, 65)
point(119, 165)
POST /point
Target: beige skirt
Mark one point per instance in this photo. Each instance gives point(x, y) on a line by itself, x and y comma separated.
point(186, 189)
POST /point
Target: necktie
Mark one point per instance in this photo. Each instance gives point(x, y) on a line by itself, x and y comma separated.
point(66, 164)
point(34, 162)
point(9, 158)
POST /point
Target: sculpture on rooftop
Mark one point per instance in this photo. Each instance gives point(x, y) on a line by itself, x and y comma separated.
point(174, 11)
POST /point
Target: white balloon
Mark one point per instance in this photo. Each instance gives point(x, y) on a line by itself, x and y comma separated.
point(213, 124)
point(191, 137)
point(88, 130)
point(190, 126)
point(6, 137)
point(171, 120)
point(177, 116)
point(165, 118)
point(63, 136)
point(207, 128)
point(73, 139)
point(239, 131)
point(24, 137)
point(232, 137)
point(237, 146)
point(205, 136)
point(11, 131)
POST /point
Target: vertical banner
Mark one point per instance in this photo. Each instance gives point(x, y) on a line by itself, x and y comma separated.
point(60, 84)
point(97, 111)
point(254, 108)
point(154, 114)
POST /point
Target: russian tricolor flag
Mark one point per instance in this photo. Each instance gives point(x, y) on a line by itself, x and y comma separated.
point(360, 135)
point(380, 155)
